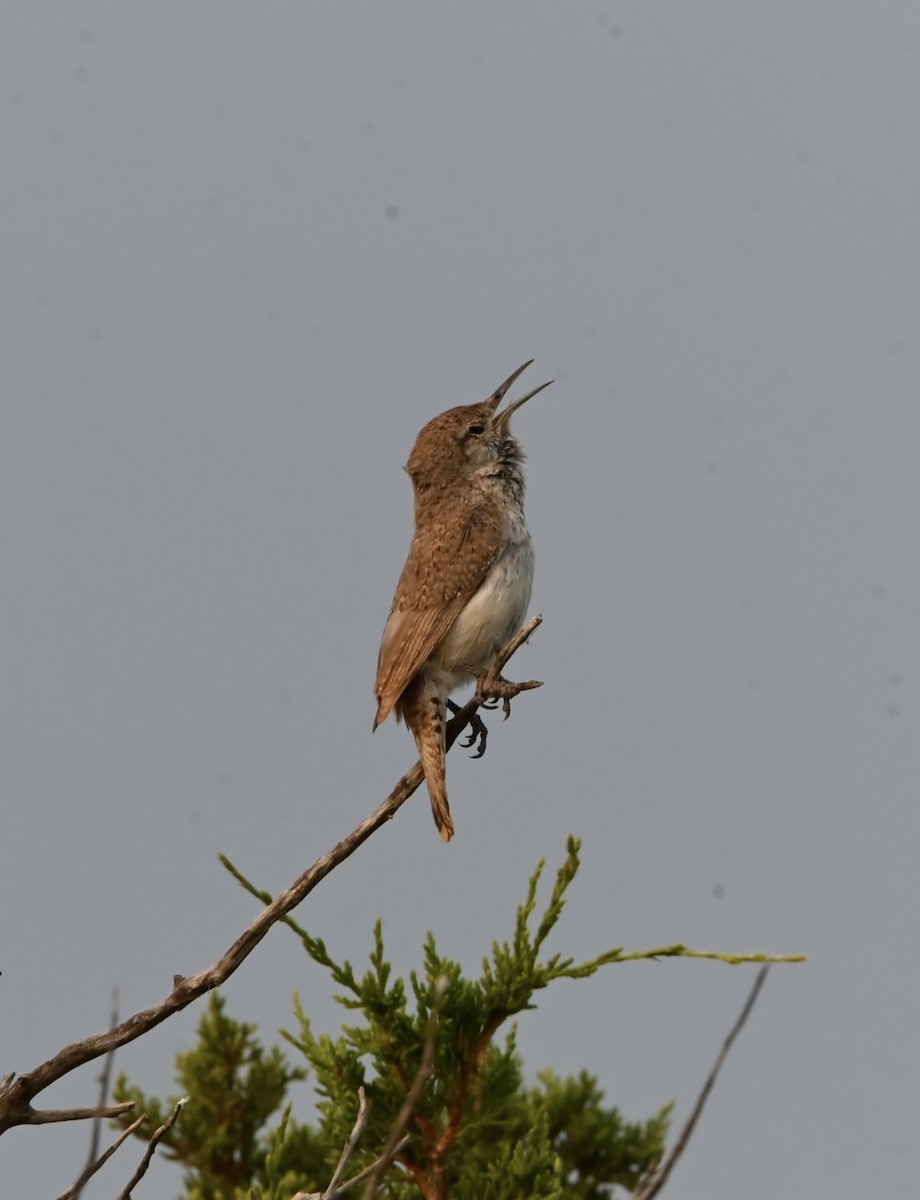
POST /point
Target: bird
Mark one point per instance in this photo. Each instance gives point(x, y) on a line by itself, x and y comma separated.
point(466, 584)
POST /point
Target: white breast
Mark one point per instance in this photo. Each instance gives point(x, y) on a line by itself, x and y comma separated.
point(493, 615)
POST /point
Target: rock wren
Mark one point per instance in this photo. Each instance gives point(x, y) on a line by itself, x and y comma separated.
point(466, 584)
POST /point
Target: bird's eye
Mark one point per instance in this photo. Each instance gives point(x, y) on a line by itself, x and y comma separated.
point(476, 430)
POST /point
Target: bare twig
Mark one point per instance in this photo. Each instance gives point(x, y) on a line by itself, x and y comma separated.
point(414, 1094)
point(151, 1147)
point(18, 1092)
point(349, 1183)
point(335, 1188)
point(93, 1162)
point(92, 1167)
point(350, 1144)
point(53, 1116)
point(398, 1138)
point(653, 1185)
point(368, 1170)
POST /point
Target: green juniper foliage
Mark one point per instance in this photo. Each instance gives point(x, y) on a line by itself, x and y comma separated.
point(477, 1131)
point(235, 1088)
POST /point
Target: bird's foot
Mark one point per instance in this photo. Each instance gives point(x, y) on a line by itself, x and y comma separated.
point(478, 733)
point(492, 687)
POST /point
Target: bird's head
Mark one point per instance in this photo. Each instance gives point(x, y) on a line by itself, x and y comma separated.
point(466, 438)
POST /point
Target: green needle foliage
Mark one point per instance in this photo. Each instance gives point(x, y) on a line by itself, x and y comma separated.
point(235, 1087)
point(475, 1131)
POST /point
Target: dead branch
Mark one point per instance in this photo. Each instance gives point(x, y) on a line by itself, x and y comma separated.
point(334, 1190)
point(151, 1147)
point(349, 1145)
point(93, 1161)
point(17, 1093)
point(373, 1173)
point(422, 1075)
point(92, 1167)
point(368, 1170)
point(52, 1116)
point(659, 1177)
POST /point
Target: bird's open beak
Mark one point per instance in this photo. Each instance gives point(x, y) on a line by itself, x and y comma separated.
point(498, 395)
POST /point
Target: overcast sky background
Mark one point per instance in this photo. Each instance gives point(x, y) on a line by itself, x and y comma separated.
point(247, 251)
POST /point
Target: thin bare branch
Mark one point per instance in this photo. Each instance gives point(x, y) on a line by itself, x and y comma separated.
point(151, 1148)
point(335, 1187)
point(398, 1137)
point(350, 1183)
point(349, 1147)
point(91, 1168)
point(17, 1092)
point(53, 1116)
point(413, 1096)
point(653, 1185)
point(368, 1170)
point(93, 1162)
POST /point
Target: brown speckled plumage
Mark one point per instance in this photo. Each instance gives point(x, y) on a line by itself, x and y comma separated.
point(466, 583)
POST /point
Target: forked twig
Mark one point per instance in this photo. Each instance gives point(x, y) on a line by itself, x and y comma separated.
point(414, 1094)
point(92, 1167)
point(373, 1173)
point(348, 1150)
point(93, 1161)
point(368, 1170)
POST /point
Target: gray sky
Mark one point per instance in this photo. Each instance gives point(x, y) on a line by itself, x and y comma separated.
point(248, 250)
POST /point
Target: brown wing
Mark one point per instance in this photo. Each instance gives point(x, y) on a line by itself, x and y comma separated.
point(449, 558)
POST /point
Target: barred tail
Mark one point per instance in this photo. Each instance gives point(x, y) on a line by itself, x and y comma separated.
point(423, 709)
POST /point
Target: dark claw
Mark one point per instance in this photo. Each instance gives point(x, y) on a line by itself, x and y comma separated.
point(477, 731)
